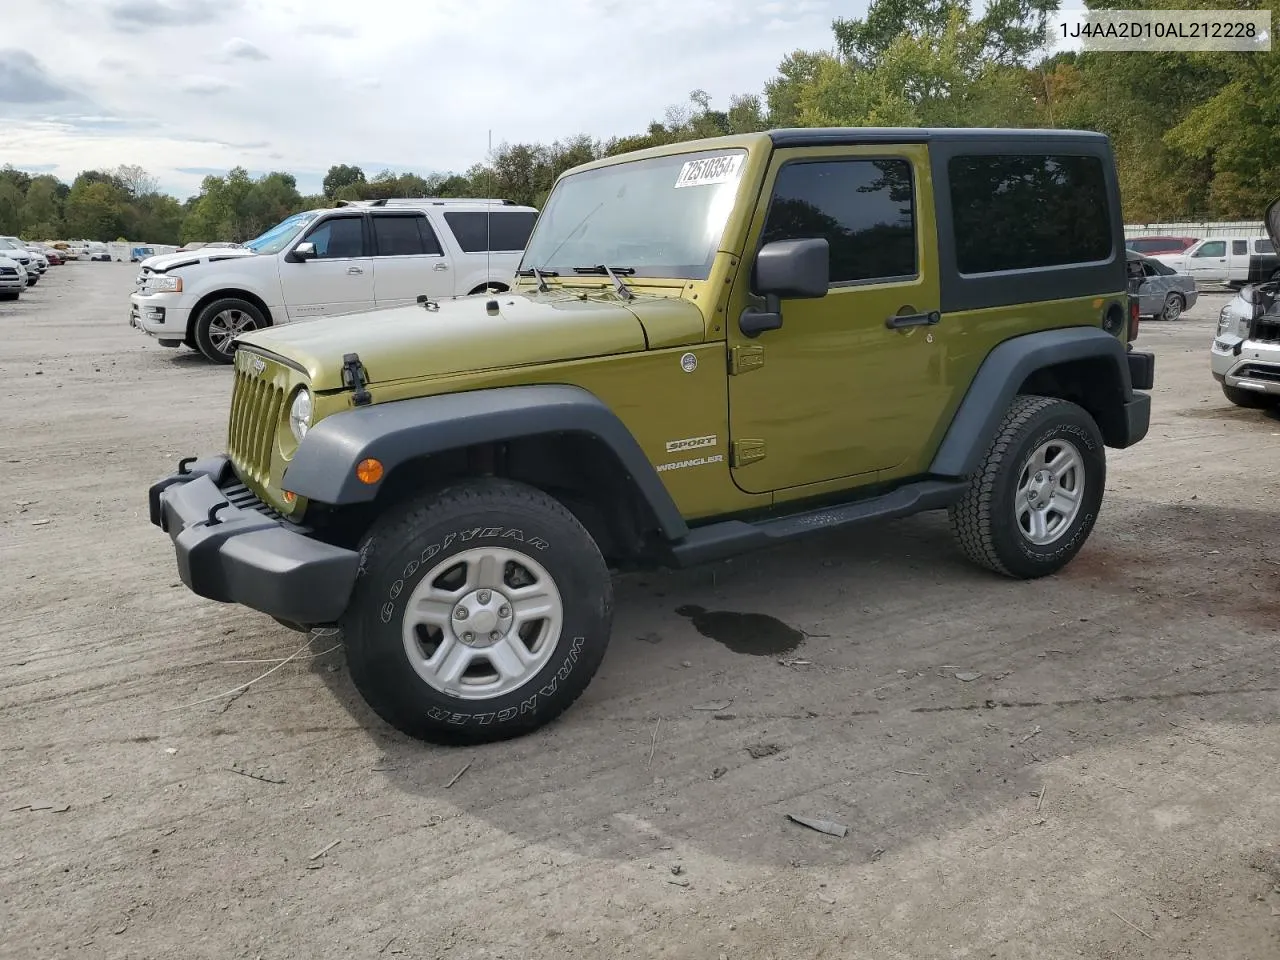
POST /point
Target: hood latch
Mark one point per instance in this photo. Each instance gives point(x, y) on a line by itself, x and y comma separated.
point(355, 378)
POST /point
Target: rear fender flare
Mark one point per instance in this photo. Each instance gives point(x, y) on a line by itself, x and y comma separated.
point(997, 381)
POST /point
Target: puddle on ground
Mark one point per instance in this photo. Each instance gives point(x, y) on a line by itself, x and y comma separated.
point(753, 633)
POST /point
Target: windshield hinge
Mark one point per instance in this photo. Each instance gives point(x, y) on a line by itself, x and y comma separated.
point(355, 377)
point(745, 358)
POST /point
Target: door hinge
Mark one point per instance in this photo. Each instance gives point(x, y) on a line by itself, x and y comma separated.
point(742, 452)
point(745, 358)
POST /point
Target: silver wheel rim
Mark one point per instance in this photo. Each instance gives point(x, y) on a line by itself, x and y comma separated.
point(227, 325)
point(1173, 308)
point(1050, 492)
point(482, 623)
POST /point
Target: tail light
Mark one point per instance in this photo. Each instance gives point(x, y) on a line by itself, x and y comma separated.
point(1133, 319)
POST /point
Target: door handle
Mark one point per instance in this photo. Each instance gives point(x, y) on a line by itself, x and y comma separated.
point(354, 270)
point(441, 266)
point(913, 320)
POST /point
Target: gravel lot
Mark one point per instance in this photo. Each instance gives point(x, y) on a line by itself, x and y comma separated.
point(1108, 787)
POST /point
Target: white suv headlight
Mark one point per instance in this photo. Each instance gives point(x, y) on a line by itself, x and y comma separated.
point(300, 413)
point(166, 285)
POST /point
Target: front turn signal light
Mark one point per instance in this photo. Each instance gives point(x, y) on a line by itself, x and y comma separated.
point(369, 470)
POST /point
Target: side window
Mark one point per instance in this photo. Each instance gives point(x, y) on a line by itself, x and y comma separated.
point(1149, 270)
point(338, 237)
point(1020, 212)
point(1212, 248)
point(500, 231)
point(1239, 248)
point(864, 209)
point(1264, 246)
point(404, 235)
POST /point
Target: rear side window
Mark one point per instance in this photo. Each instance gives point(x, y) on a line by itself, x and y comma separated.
point(404, 235)
point(505, 231)
point(1264, 246)
point(1020, 212)
point(864, 209)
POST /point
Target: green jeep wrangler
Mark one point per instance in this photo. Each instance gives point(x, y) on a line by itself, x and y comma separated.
point(709, 347)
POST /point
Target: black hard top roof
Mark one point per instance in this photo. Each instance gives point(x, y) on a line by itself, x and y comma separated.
point(841, 136)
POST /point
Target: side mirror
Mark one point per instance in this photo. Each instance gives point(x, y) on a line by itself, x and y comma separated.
point(304, 251)
point(796, 269)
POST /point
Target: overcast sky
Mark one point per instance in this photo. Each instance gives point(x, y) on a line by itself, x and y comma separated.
point(189, 87)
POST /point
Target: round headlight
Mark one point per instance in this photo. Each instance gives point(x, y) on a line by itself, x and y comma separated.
point(300, 413)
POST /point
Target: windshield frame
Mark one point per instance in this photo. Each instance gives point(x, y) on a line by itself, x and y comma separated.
point(282, 234)
point(726, 195)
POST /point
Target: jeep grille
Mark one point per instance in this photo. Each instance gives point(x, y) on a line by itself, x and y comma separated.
point(257, 403)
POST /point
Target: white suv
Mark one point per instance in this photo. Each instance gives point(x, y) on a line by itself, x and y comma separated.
point(14, 250)
point(359, 256)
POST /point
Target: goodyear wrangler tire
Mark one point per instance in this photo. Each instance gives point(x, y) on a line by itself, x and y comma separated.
point(481, 612)
point(1035, 496)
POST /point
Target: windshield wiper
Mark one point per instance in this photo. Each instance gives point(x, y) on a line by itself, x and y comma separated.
point(538, 275)
point(612, 273)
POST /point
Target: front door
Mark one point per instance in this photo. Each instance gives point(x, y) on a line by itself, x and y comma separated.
point(338, 279)
point(411, 262)
point(1208, 262)
point(838, 391)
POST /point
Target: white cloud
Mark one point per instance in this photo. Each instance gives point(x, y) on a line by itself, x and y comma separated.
point(421, 92)
point(204, 85)
point(238, 48)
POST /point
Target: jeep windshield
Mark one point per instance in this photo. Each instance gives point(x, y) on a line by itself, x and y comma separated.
point(662, 217)
point(280, 236)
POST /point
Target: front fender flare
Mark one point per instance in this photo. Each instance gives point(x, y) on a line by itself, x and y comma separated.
point(323, 468)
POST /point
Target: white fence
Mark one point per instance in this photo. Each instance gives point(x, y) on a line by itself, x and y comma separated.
point(1219, 228)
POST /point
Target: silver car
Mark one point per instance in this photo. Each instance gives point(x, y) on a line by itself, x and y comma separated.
point(13, 278)
point(15, 252)
point(1162, 291)
point(1245, 355)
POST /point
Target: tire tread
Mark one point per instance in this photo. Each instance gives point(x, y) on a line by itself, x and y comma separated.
point(971, 516)
point(437, 508)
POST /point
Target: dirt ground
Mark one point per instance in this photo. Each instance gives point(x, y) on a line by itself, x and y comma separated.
point(1109, 787)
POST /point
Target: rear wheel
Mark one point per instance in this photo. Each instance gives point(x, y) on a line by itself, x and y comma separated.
point(1249, 399)
point(1173, 307)
point(1035, 496)
point(221, 322)
point(481, 613)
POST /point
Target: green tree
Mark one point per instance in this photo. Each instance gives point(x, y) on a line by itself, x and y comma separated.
point(11, 201)
point(341, 175)
point(95, 210)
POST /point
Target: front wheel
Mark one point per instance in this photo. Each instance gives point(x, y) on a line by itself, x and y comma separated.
point(1035, 496)
point(481, 613)
point(221, 322)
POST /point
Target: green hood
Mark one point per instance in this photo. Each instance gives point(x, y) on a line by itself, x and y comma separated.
point(463, 335)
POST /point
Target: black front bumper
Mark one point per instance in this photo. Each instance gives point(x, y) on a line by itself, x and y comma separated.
point(237, 554)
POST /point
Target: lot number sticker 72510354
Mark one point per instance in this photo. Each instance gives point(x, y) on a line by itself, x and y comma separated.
point(722, 169)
